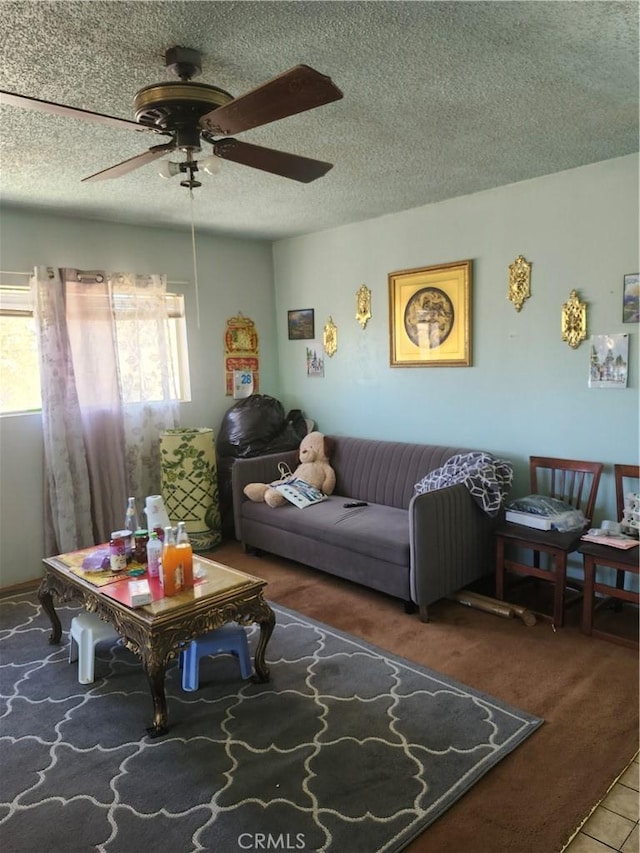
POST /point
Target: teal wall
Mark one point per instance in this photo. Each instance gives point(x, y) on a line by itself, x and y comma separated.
point(526, 393)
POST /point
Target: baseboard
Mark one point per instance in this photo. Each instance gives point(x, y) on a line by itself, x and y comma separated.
point(19, 587)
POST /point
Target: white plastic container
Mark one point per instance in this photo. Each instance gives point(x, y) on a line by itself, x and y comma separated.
point(157, 518)
point(154, 555)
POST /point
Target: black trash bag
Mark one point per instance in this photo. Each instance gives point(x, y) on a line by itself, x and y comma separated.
point(249, 425)
point(294, 431)
point(253, 426)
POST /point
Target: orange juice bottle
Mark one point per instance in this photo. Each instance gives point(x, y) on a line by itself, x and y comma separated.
point(171, 571)
point(185, 551)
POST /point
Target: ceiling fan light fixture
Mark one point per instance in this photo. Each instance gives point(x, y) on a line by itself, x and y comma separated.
point(211, 165)
point(168, 169)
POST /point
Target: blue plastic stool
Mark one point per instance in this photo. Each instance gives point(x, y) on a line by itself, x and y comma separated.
point(230, 638)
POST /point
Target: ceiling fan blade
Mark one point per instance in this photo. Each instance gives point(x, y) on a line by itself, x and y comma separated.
point(35, 104)
point(299, 89)
point(277, 162)
point(132, 163)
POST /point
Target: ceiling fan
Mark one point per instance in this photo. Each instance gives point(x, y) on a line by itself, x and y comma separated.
point(188, 113)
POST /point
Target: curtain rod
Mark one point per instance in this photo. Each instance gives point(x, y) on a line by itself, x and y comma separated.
point(18, 272)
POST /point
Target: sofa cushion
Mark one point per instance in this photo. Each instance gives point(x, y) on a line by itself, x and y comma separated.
point(381, 532)
point(383, 472)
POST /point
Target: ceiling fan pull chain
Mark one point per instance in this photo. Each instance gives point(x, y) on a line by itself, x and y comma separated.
point(195, 261)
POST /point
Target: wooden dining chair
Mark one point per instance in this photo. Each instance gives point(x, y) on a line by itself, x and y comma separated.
point(570, 480)
point(622, 562)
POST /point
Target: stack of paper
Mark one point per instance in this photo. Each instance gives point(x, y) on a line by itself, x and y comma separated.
point(623, 542)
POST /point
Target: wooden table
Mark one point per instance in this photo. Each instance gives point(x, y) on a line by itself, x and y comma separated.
point(158, 631)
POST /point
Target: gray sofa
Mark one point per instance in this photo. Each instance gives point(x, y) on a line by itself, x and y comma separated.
point(416, 548)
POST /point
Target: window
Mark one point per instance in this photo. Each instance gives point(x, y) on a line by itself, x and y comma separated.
point(19, 373)
point(19, 377)
point(177, 330)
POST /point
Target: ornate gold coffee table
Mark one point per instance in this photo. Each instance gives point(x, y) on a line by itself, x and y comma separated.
point(158, 631)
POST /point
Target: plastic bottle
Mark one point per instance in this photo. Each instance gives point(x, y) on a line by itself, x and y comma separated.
point(131, 521)
point(185, 552)
point(154, 555)
point(171, 576)
point(140, 539)
point(117, 551)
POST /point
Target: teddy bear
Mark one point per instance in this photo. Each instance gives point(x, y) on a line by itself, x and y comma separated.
point(314, 468)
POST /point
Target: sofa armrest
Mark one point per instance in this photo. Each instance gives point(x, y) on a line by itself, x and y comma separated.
point(258, 469)
point(451, 544)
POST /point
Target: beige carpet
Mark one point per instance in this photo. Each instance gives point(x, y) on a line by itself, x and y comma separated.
point(585, 689)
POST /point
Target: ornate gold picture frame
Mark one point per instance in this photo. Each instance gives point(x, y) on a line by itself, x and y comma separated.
point(430, 316)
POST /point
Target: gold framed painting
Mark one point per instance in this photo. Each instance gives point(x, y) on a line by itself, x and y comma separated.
point(430, 316)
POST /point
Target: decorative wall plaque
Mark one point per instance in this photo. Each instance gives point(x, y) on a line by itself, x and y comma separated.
point(241, 351)
point(330, 337)
point(574, 320)
point(519, 282)
point(363, 305)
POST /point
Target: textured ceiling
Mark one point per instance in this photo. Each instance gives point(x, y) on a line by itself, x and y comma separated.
point(441, 99)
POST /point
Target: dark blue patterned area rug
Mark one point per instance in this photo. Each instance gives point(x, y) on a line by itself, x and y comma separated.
point(347, 748)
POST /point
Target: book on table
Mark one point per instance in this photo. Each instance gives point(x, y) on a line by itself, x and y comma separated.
point(543, 512)
point(539, 522)
point(299, 493)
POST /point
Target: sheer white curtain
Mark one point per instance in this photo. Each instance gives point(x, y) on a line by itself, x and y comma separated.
point(107, 393)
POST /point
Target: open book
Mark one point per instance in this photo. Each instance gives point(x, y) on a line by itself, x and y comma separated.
point(299, 493)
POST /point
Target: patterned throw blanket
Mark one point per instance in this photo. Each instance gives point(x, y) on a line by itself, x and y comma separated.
point(487, 479)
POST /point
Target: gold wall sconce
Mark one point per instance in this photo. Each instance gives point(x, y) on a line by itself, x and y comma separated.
point(574, 320)
point(330, 337)
point(519, 282)
point(363, 305)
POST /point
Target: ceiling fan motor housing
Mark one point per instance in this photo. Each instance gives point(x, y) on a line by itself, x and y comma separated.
point(177, 107)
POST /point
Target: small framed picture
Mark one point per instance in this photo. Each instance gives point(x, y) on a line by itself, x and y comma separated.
point(315, 362)
point(631, 298)
point(301, 324)
point(609, 361)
